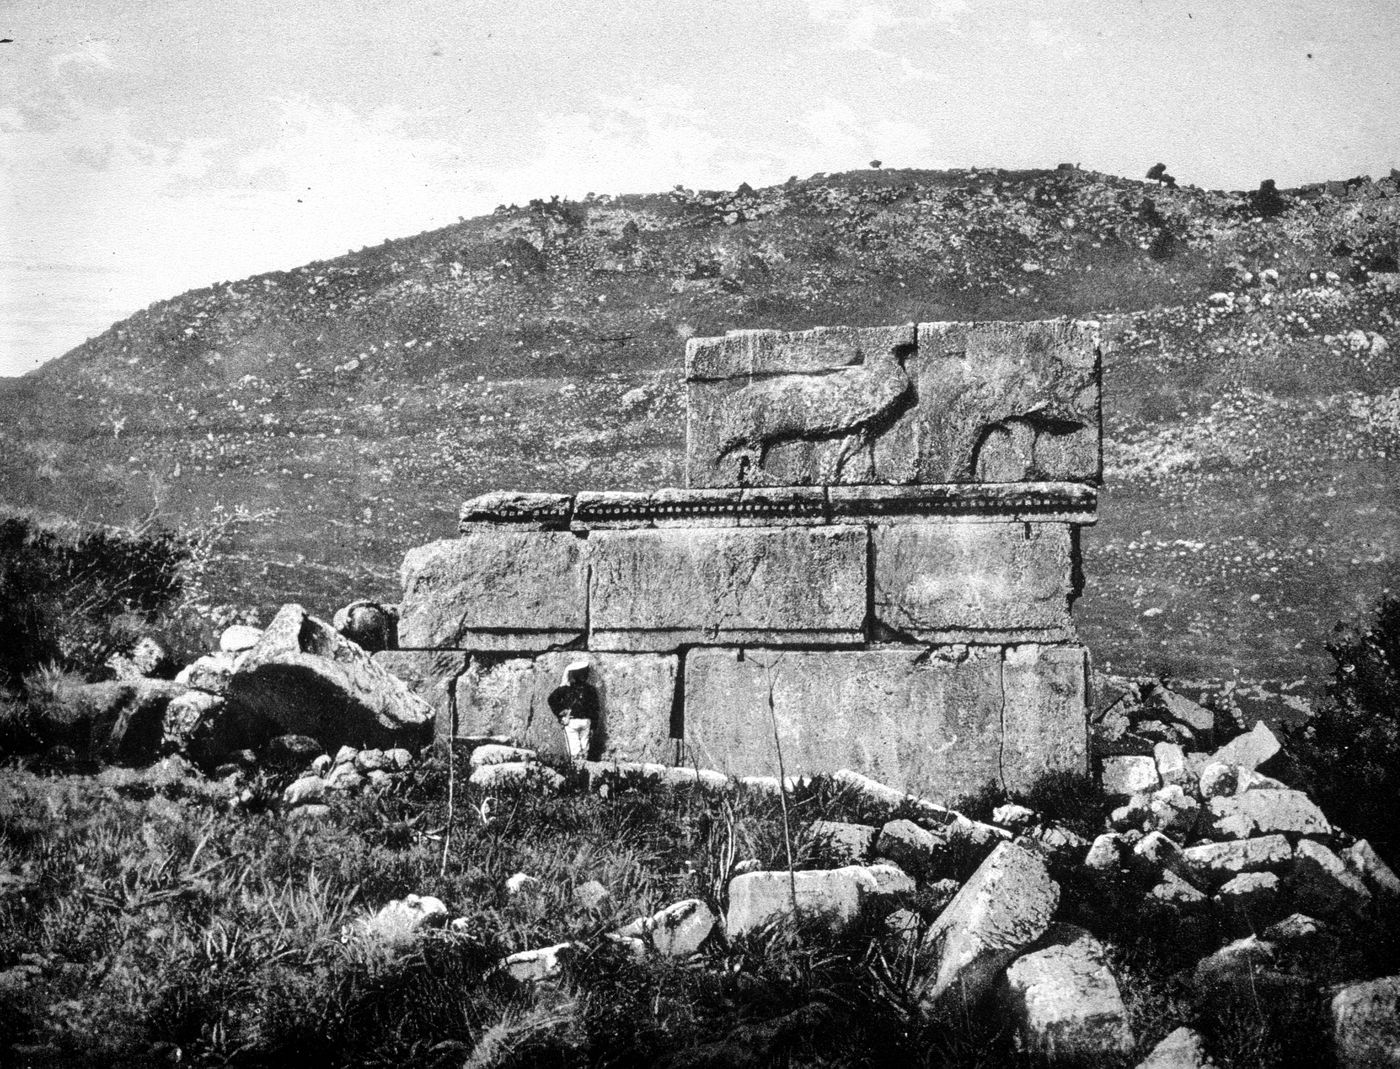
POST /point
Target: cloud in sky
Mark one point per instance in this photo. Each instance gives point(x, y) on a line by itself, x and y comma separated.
point(152, 149)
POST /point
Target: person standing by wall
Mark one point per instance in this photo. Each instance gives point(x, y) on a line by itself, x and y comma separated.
point(574, 704)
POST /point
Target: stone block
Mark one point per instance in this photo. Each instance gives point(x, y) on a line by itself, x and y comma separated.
point(430, 674)
point(1266, 812)
point(940, 403)
point(783, 506)
point(1046, 715)
point(1366, 1023)
point(494, 589)
point(540, 512)
point(910, 719)
point(1121, 776)
point(1219, 862)
point(1039, 502)
point(671, 507)
point(962, 581)
point(509, 696)
point(834, 895)
point(659, 589)
point(610, 510)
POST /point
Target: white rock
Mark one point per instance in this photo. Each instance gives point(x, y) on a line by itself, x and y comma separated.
point(1266, 812)
point(916, 849)
point(1014, 817)
point(321, 765)
point(378, 778)
point(311, 813)
point(493, 754)
point(239, 637)
point(401, 920)
point(592, 895)
point(1181, 1049)
point(518, 774)
point(1295, 928)
point(1323, 883)
point(1379, 878)
point(213, 672)
point(1366, 1024)
point(1171, 764)
point(536, 966)
point(1251, 749)
point(1003, 908)
point(399, 757)
point(600, 773)
point(1219, 780)
point(345, 778)
point(1106, 853)
point(1251, 892)
point(370, 761)
point(521, 883)
point(835, 895)
point(1063, 998)
point(308, 790)
point(674, 932)
point(1235, 964)
point(1129, 775)
point(345, 755)
point(1173, 811)
point(1218, 862)
point(844, 843)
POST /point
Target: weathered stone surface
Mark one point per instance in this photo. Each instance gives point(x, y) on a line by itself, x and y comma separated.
point(518, 774)
point(1251, 749)
point(1366, 1024)
point(1171, 764)
point(121, 720)
point(371, 760)
point(308, 790)
point(636, 695)
point(842, 842)
point(676, 931)
point(1045, 716)
point(1380, 879)
point(1253, 893)
point(1221, 780)
point(1181, 710)
point(905, 718)
point(1063, 998)
point(401, 921)
point(1003, 908)
point(494, 589)
point(180, 723)
point(1007, 402)
point(371, 626)
point(539, 965)
point(1181, 1049)
point(961, 581)
point(211, 672)
point(345, 778)
point(1124, 776)
point(304, 678)
point(432, 675)
point(522, 883)
point(521, 510)
point(1218, 862)
point(1173, 893)
point(1038, 502)
point(1235, 965)
point(239, 637)
point(834, 895)
point(658, 589)
point(1015, 817)
point(916, 849)
point(1106, 853)
point(603, 773)
point(495, 754)
point(1324, 885)
point(611, 510)
point(943, 403)
point(1265, 812)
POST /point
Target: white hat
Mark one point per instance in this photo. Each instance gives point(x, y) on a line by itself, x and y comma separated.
point(580, 665)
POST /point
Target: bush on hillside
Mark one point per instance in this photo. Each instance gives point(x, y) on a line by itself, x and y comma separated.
point(1352, 745)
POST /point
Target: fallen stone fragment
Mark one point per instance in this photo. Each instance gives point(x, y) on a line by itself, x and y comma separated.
point(291, 751)
point(377, 778)
point(1173, 893)
point(601, 773)
point(321, 765)
point(1063, 998)
point(1322, 883)
point(837, 896)
point(399, 757)
point(890, 879)
point(1129, 775)
point(1181, 710)
point(1173, 811)
point(1219, 780)
point(1059, 843)
point(1106, 853)
point(492, 754)
point(1159, 853)
point(211, 673)
point(345, 778)
point(1235, 965)
point(1171, 764)
point(519, 774)
point(521, 883)
point(674, 932)
point(402, 920)
point(1295, 928)
point(371, 626)
point(181, 722)
point(1127, 817)
point(1250, 750)
point(536, 966)
point(239, 637)
point(916, 849)
point(1218, 862)
point(1015, 817)
point(592, 895)
point(307, 790)
point(1180, 1049)
point(1366, 1024)
point(1379, 878)
point(311, 813)
point(1003, 908)
point(345, 755)
point(1266, 812)
point(843, 843)
point(1252, 893)
point(371, 761)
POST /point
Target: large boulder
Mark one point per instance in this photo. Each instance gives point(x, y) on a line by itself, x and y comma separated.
point(1366, 1024)
point(120, 720)
point(305, 678)
point(1004, 908)
point(371, 626)
point(1063, 998)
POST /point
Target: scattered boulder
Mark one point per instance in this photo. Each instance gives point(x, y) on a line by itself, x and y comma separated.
point(537, 966)
point(522, 883)
point(1182, 1048)
point(1015, 817)
point(518, 774)
point(1322, 883)
point(1175, 894)
point(674, 932)
point(305, 678)
point(399, 758)
point(1379, 878)
point(292, 751)
point(1253, 894)
point(1266, 812)
point(915, 849)
point(1220, 779)
point(371, 760)
point(1218, 862)
point(837, 896)
point(1003, 908)
point(371, 626)
point(1106, 853)
point(401, 921)
point(239, 637)
point(1181, 710)
point(212, 672)
point(345, 778)
point(495, 754)
point(1063, 998)
point(345, 755)
point(1250, 750)
point(1366, 1024)
point(121, 721)
point(307, 790)
point(1295, 928)
point(841, 842)
point(1171, 764)
point(1235, 965)
point(184, 718)
point(1129, 775)
point(1173, 811)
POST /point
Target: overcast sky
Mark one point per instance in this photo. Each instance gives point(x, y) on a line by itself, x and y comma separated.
point(148, 147)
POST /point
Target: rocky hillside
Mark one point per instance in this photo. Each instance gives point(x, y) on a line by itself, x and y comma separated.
point(1252, 402)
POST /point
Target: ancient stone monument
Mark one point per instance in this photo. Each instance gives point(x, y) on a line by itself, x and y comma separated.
point(876, 548)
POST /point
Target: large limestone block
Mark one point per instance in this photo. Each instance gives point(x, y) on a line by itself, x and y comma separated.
point(1366, 1024)
point(836, 896)
point(1046, 720)
point(305, 678)
point(965, 581)
point(430, 674)
point(636, 697)
point(1008, 402)
point(659, 589)
point(494, 589)
point(907, 718)
point(1004, 908)
point(940, 403)
point(1064, 999)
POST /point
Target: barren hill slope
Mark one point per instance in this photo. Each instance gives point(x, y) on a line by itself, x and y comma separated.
point(1252, 402)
